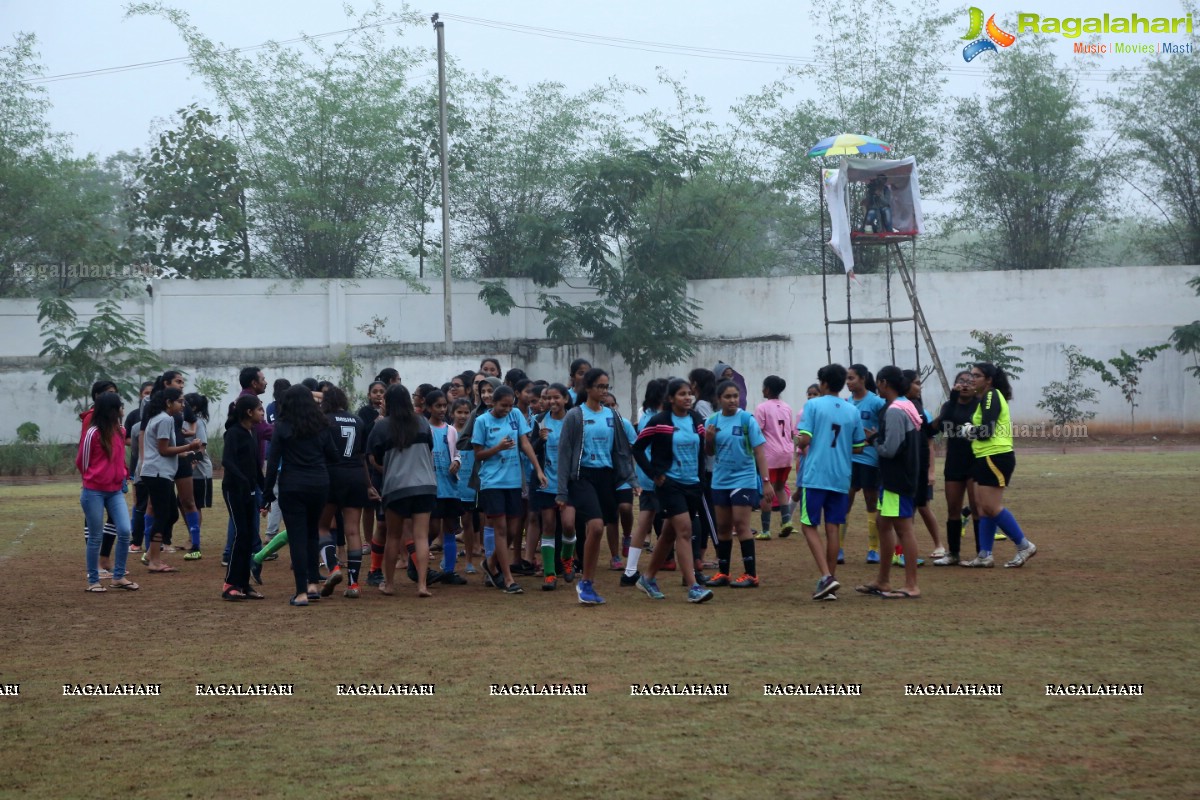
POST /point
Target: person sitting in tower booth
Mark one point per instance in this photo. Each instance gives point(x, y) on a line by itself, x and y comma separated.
point(879, 205)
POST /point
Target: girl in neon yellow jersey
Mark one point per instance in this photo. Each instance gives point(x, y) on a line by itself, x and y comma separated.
point(990, 432)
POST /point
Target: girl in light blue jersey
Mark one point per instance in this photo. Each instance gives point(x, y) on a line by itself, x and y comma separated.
point(547, 434)
point(460, 413)
point(740, 481)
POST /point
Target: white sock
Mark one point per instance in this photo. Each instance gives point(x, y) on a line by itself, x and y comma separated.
point(631, 562)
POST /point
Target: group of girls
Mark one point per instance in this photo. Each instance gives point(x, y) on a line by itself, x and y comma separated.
point(154, 433)
point(898, 482)
point(512, 470)
point(518, 471)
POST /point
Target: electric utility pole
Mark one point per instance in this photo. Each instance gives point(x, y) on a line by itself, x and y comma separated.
point(445, 148)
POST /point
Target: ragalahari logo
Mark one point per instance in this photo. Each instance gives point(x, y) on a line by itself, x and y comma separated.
point(994, 37)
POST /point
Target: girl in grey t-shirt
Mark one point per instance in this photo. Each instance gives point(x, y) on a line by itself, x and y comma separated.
point(159, 463)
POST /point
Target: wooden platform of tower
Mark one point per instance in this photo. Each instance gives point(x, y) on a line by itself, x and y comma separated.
point(900, 258)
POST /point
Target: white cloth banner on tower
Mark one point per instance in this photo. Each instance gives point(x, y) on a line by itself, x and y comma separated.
point(906, 199)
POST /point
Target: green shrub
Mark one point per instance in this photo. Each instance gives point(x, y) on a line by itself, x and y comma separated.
point(216, 446)
point(28, 432)
point(28, 458)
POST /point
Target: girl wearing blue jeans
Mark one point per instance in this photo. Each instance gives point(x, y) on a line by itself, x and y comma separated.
point(101, 462)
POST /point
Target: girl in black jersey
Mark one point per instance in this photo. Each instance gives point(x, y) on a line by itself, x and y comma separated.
point(372, 521)
point(349, 492)
point(956, 473)
point(242, 478)
point(301, 449)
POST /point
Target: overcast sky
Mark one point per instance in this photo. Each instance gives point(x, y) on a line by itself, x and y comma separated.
point(107, 113)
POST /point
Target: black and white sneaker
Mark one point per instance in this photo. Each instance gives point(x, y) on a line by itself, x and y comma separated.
point(825, 587)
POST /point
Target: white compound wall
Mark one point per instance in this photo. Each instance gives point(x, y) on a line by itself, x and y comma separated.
point(295, 329)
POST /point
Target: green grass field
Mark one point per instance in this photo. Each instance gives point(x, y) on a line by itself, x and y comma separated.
point(1105, 601)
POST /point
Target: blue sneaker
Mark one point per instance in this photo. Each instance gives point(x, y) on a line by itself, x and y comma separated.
point(698, 594)
point(650, 587)
point(826, 587)
point(872, 556)
point(841, 556)
point(587, 594)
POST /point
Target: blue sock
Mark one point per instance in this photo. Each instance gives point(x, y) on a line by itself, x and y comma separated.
point(1006, 522)
point(987, 535)
point(449, 552)
point(192, 519)
point(489, 541)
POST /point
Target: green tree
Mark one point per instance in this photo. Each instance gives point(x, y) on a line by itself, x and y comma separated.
point(1186, 338)
point(622, 227)
point(57, 213)
point(880, 80)
point(744, 226)
point(321, 132)
point(420, 175)
point(1064, 400)
point(994, 348)
point(1151, 113)
point(212, 388)
point(110, 346)
point(189, 202)
point(1030, 177)
point(1126, 373)
point(513, 200)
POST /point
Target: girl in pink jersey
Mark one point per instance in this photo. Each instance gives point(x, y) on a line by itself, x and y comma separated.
point(813, 390)
point(775, 419)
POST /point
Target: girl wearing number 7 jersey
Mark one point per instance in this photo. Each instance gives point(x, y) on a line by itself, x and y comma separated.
point(775, 419)
point(350, 492)
point(830, 433)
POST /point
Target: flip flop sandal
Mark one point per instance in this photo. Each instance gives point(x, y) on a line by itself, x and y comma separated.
point(869, 589)
point(95, 588)
point(128, 586)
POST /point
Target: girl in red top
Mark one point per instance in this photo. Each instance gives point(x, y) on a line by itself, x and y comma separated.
point(101, 461)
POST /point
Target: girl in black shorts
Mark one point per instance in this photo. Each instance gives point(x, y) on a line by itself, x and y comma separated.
point(594, 458)
point(349, 492)
point(956, 473)
point(196, 428)
point(674, 438)
point(402, 446)
point(648, 508)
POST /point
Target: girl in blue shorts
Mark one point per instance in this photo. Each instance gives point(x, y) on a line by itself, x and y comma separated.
point(736, 441)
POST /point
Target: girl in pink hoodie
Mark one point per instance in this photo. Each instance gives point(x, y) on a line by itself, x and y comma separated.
point(101, 462)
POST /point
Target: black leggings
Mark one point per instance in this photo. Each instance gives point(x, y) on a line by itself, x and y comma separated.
point(138, 523)
point(242, 511)
point(166, 509)
point(301, 507)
